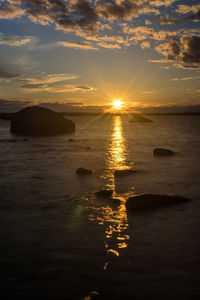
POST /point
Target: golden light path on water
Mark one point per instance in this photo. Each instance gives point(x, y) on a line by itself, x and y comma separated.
point(114, 217)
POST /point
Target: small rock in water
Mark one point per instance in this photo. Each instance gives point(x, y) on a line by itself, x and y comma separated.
point(145, 202)
point(89, 148)
point(70, 140)
point(124, 172)
point(104, 194)
point(162, 152)
point(83, 171)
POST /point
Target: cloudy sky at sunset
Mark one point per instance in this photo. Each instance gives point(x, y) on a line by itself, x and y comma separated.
point(144, 52)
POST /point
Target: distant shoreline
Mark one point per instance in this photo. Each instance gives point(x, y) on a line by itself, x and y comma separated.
point(9, 116)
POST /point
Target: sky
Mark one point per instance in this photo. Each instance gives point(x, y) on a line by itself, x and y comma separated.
point(143, 52)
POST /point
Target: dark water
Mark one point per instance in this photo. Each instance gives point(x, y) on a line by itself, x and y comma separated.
point(59, 242)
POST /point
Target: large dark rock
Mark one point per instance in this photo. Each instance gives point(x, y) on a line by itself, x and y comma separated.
point(83, 172)
point(163, 152)
point(145, 202)
point(40, 121)
point(137, 118)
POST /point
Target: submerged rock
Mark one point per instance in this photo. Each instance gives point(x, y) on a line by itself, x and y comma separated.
point(70, 140)
point(104, 194)
point(125, 172)
point(145, 202)
point(83, 172)
point(162, 152)
point(137, 118)
point(40, 121)
point(89, 148)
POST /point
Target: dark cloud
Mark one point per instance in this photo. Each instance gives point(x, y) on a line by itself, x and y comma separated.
point(67, 15)
point(8, 75)
point(32, 86)
point(9, 11)
point(125, 9)
point(191, 53)
point(185, 50)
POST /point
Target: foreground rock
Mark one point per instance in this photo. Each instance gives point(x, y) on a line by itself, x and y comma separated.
point(83, 172)
point(104, 194)
point(145, 202)
point(121, 173)
point(136, 118)
point(163, 152)
point(40, 121)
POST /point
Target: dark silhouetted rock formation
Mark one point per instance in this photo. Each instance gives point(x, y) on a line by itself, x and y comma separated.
point(83, 172)
point(137, 118)
point(104, 194)
point(145, 202)
point(162, 152)
point(40, 121)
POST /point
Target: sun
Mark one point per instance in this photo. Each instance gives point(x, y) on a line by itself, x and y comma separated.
point(117, 104)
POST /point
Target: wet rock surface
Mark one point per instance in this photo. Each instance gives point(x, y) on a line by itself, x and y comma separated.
point(163, 152)
point(83, 172)
point(145, 202)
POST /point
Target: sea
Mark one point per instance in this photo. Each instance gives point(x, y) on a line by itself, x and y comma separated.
point(59, 241)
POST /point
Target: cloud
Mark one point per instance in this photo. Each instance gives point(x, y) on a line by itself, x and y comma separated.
point(184, 50)
point(75, 15)
point(14, 40)
point(184, 9)
point(54, 83)
point(32, 86)
point(109, 46)
point(69, 88)
point(9, 11)
point(162, 2)
point(77, 45)
point(145, 45)
point(147, 92)
point(124, 10)
point(185, 78)
point(141, 33)
point(49, 78)
point(54, 89)
point(8, 75)
point(67, 16)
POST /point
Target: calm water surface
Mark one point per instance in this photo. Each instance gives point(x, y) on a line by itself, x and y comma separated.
point(59, 242)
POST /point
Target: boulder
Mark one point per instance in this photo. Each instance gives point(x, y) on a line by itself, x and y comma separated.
point(104, 194)
point(83, 172)
point(121, 173)
point(162, 152)
point(40, 121)
point(137, 118)
point(145, 202)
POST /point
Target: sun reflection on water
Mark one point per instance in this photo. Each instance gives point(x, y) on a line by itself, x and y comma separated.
point(117, 153)
point(114, 217)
